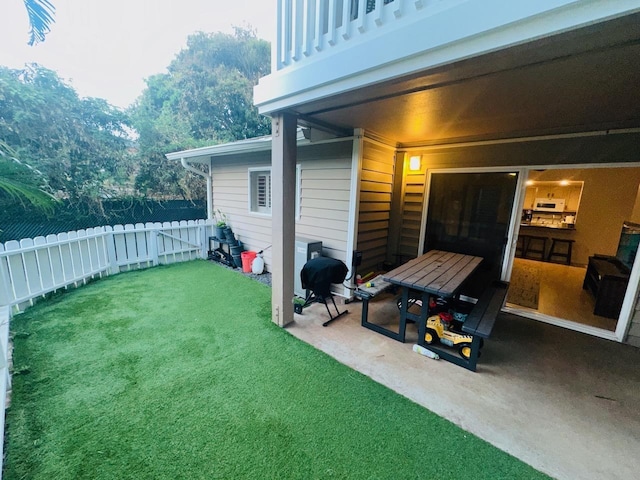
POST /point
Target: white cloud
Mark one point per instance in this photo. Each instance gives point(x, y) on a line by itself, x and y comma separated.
point(106, 48)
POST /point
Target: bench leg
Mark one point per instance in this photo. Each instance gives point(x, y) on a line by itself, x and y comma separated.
point(475, 353)
point(365, 311)
point(377, 328)
point(424, 314)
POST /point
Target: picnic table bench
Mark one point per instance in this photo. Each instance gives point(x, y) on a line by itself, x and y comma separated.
point(364, 293)
point(479, 322)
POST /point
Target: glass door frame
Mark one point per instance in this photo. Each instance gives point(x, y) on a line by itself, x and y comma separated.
point(514, 220)
point(624, 320)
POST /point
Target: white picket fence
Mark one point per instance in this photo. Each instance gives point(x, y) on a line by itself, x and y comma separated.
point(32, 268)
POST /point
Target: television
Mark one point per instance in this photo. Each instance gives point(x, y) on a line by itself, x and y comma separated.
point(628, 245)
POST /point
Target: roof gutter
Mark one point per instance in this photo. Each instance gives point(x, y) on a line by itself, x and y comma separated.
point(209, 185)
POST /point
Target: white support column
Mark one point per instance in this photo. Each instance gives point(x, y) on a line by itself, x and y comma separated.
point(283, 193)
point(354, 203)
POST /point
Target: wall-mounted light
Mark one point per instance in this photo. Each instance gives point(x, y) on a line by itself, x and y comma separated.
point(414, 163)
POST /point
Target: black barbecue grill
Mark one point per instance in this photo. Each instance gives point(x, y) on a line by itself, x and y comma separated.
point(317, 275)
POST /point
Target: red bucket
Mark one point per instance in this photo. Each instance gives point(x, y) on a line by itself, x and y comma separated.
point(247, 259)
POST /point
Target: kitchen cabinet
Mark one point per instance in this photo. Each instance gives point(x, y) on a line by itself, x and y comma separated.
point(571, 193)
point(565, 194)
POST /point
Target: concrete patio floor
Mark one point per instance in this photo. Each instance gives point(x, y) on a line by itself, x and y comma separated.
point(565, 403)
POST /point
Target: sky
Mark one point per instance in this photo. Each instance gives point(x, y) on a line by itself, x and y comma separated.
point(106, 48)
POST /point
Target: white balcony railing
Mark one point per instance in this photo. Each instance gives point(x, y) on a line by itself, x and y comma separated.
point(306, 27)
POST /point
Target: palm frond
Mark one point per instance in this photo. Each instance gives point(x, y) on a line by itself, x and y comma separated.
point(38, 198)
point(41, 14)
point(20, 181)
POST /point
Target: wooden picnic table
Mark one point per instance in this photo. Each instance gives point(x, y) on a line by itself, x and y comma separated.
point(437, 272)
point(442, 274)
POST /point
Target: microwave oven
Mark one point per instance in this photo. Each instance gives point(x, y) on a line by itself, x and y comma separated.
point(549, 205)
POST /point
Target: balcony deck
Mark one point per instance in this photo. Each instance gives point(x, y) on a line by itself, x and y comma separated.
point(329, 47)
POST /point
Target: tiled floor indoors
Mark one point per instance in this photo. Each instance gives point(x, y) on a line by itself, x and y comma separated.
point(561, 294)
point(566, 403)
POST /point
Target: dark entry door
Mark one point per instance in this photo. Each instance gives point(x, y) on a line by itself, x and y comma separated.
point(470, 213)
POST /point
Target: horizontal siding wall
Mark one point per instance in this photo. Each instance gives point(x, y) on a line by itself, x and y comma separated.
point(325, 194)
point(376, 187)
point(413, 197)
point(324, 203)
point(231, 196)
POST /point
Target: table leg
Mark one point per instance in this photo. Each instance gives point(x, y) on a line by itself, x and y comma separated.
point(424, 314)
point(402, 329)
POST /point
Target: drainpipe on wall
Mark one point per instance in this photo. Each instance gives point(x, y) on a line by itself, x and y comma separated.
point(209, 185)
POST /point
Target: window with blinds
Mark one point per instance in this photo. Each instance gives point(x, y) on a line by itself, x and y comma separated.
point(260, 191)
point(264, 190)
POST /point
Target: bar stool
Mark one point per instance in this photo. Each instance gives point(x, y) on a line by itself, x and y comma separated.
point(565, 250)
point(521, 245)
point(535, 248)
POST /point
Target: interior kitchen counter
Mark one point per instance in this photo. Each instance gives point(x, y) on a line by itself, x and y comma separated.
point(566, 227)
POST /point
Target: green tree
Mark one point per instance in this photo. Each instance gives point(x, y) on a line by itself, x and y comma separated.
point(22, 183)
point(80, 145)
point(18, 181)
point(205, 98)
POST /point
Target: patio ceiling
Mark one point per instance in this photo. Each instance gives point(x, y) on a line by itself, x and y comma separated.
point(579, 81)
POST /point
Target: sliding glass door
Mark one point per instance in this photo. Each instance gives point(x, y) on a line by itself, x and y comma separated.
point(470, 213)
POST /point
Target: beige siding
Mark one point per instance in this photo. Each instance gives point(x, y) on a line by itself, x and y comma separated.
point(325, 185)
point(376, 187)
point(231, 196)
point(412, 206)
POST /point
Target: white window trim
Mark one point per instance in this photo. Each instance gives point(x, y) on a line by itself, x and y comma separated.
point(251, 200)
point(298, 190)
point(253, 170)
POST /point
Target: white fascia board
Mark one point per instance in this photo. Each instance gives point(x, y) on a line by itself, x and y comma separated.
point(419, 43)
point(204, 154)
point(259, 144)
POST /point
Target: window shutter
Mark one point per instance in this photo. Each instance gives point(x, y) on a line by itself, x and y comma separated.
point(264, 190)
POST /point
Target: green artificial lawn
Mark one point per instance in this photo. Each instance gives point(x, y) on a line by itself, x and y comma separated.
point(178, 372)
